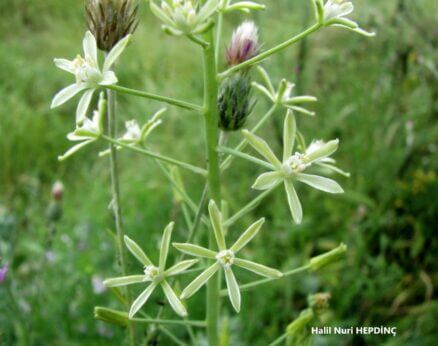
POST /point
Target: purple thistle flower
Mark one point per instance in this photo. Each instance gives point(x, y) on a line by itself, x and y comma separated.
point(3, 272)
point(244, 44)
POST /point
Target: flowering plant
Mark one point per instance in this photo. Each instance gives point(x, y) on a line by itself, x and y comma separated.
point(228, 102)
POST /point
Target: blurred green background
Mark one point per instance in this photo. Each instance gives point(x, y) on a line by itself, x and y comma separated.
point(379, 96)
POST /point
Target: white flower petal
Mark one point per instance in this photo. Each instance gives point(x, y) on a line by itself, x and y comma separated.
point(262, 148)
point(74, 149)
point(67, 93)
point(173, 300)
point(90, 48)
point(294, 202)
point(195, 250)
point(289, 134)
point(65, 65)
point(84, 103)
point(200, 281)
point(141, 299)
point(115, 53)
point(257, 268)
point(248, 235)
point(124, 280)
point(165, 242)
point(109, 78)
point(216, 223)
point(179, 267)
point(320, 183)
point(268, 180)
point(136, 251)
point(233, 288)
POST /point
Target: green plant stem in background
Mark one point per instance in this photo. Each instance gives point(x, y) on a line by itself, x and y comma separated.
point(220, 20)
point(212, 138)
point(166, 159)
point(115, 202)
point(152, 96)
point(253, 284)
point(246, 157)
point(226, 163)
point(279, 340)
point(271, 51)
point(200, 324)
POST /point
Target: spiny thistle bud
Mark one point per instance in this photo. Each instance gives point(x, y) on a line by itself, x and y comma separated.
point(111, 20)
point(244, 44)
point(234, 102)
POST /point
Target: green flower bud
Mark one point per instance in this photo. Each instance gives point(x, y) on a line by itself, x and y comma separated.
point(325, 259)
point(111, 316)
point(234, 103)
point(111, 20)
point(305, 317)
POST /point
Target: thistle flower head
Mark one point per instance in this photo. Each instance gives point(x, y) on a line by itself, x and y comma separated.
point(234, 102)
point(111, 20)
point(244, 44)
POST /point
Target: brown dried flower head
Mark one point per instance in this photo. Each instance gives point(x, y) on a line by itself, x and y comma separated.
point(111, 20)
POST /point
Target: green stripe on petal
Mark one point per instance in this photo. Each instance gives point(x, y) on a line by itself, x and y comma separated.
point(200, 281)
point(115, 53)
point(173, 300)
point(141, 299)
point(165, 242)
point(67, 93)
point(247, 236)
point(294, 202)
point(262, 148)
point(320, 183)
point(136, 251)
point(216, 222)
point(124, 280)
point(84, 103)
point(259, 269)
point(268, 180)
point(233, 288)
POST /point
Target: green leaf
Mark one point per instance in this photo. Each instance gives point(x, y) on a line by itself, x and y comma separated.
point(173, 300)
point(259, 269)
point(137, 251)
point(124, 280)
point(165, 242)
point(200, 281)
point(216, 222)
point(195, 250)
point(233, 288)
point(248, 235)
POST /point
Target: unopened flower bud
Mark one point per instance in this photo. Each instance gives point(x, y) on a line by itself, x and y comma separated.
point(111, 316)
point(57, 191)
point(325, 259)
point(319, 301)
point(244, 44)
point(234, 103)
point(111, 20)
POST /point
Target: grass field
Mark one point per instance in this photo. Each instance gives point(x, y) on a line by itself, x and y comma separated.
point(378, 96)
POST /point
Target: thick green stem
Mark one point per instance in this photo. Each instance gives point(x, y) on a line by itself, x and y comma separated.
point(165, 99)
point(115, 203)
point(268, 53)
point(214, 186)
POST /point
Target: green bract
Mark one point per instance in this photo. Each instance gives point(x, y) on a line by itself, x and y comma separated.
point(334, 12)
point(225, 258)
point(88, 74)
point(283, 95)
point(292, 166)
point(155, 275)
point(185, 17)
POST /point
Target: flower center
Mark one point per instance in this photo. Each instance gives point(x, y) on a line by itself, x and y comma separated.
point(225, 258)
point(295, 164)
point(151, 272)
point(85, 71)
